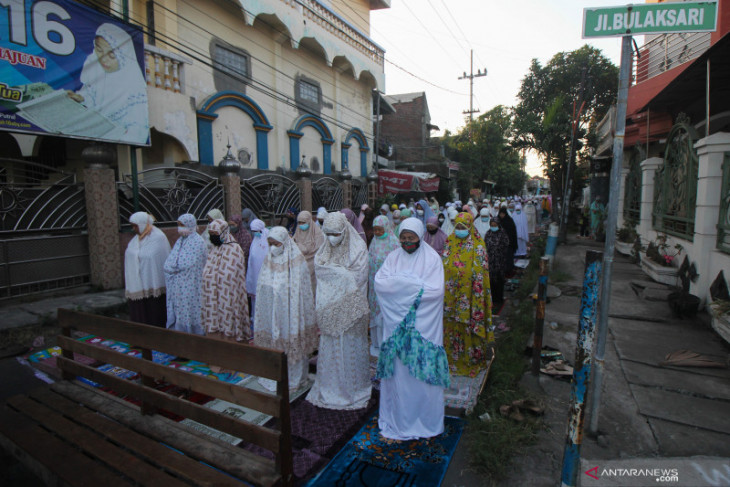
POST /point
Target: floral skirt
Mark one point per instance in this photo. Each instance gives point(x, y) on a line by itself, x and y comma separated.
point(467, 352)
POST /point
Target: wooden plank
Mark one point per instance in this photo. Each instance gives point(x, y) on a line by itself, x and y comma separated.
point(152, 451)
point(50, 458)
point(284, 460)
point(263, 437)
point(258, 361)
point(93, 445)
point(259, 401)
point(238, 462)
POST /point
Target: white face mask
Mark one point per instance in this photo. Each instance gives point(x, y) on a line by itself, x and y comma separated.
point(419, 212)
point(184, 231)
point(276, 251)
point(334, 241)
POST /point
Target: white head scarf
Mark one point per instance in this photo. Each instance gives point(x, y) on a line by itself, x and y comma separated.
point(144, 260)
point(321, 213)
point(285, 317)
point(482, 226)
point(342, 275)
point(256, 255)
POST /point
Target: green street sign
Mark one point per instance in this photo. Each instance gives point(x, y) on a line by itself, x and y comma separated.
point(649, 18)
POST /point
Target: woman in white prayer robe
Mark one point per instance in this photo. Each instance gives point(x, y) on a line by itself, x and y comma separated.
point(285, 308)
point(413, 367)
point(523, 235)
point(343, 364)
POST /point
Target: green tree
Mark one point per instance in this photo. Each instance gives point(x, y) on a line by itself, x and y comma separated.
point(550, 101)
point(485, 152)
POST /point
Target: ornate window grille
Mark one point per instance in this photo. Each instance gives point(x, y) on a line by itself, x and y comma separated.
point(675, 183)
point(723, 224)
point(632, 188)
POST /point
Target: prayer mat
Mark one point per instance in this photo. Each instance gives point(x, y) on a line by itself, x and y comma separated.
point(368, 460)
point(318, 434)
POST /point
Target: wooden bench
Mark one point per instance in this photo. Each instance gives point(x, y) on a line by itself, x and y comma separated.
point(70, 433)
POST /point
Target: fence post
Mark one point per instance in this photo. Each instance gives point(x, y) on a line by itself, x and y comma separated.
point(582, 367)
point(346, 186)
point(305, 193)
point(539, 315)
point(232, 194)
point(102, 212)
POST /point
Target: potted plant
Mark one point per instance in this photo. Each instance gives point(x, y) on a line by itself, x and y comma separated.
point(625, 237)
point(681, 302)
point(658, 260)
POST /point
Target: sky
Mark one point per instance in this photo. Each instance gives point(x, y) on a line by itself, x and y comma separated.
point(431, 39)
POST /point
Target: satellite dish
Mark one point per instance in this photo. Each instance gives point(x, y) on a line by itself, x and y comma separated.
point(244, 157)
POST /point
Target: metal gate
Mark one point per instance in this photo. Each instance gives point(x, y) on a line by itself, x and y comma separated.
point(43, 238)
point(327, 192)
point(270, 195)
point(168, 192)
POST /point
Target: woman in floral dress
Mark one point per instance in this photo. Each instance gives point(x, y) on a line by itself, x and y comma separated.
point(468, 329)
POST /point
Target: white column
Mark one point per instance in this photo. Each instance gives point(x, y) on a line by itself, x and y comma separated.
point(648, 168)
point(711, 151)
point(622, 197)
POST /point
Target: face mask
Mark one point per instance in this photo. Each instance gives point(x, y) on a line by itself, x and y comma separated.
point(256, 234)
point(441, 221)
point(335, 240)
point(304, 227)
point(142, 227)
point(485, 218)
point(420, 212)
point(276, 251)
point(432, 231)
point(184, 231)
point(410, 247)
point(518, 211)
point(494, 229)
point(384, 235)
point(461, 233)
point(233, 229)
point(396, 220)
point(216, 240)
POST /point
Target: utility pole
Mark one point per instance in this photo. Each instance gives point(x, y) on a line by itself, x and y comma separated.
point(471, 77)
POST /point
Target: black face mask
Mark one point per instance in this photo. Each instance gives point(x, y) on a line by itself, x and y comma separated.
point(216, 240)
point(432, 231)
point(410, 247)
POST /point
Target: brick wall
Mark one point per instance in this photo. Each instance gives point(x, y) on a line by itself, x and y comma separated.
point(405, 128)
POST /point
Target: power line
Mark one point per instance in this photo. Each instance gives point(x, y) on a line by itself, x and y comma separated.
point(429, 32)
point(405, 54)
point(447, 27)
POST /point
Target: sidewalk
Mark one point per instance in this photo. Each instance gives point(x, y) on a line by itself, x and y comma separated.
point(21, 320)
point(647, 410)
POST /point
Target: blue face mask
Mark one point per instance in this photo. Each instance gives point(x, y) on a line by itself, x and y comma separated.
point(485, 218)
point(494, 229)
point(461, 233)
point(304, 227)
point(256, 234)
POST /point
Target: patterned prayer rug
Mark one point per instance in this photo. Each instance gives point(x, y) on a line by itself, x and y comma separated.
point(368, 460)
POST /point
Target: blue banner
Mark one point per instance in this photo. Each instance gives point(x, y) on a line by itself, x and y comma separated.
point(71, 71)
